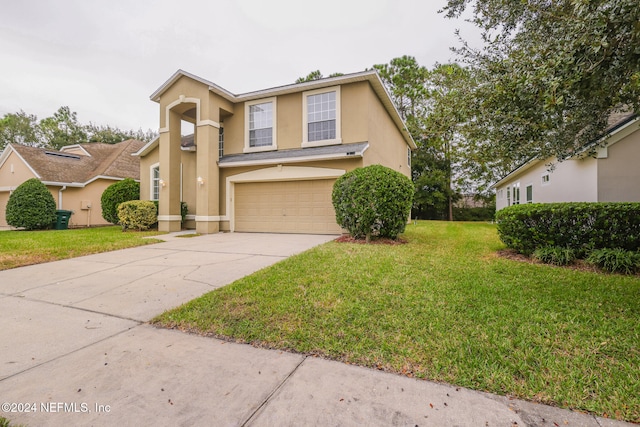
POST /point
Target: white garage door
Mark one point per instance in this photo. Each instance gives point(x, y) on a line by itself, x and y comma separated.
point(286, 207)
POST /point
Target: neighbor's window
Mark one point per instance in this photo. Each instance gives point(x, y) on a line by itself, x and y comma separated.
point(530, 193)
point(508, 196)
point(545, 178)
point(260, 132)
point(321, 117)
point(516, 193)
point(155, 183)
point(409, 156)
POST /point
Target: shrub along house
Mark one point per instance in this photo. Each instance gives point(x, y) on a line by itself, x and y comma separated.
point(266, 161)
point(76, 175)
point(611, 175)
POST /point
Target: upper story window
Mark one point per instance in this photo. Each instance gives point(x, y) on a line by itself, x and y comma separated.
point(260, 119)
point(321, 117)
point(221, 141)
point(155, 182)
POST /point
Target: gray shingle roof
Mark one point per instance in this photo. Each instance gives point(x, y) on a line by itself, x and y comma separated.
point(298, 153)
point(112, 160)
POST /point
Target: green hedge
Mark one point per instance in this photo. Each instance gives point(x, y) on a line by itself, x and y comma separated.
point(31, 206)
point(373, 201)
point(579, 226)
point(113, 195)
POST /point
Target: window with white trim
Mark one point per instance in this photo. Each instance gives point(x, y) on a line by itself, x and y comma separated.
point(508, 196)
point(260, 119)
point(529, 192)
point(155, 182)
point(516, 193)
point(321, 117)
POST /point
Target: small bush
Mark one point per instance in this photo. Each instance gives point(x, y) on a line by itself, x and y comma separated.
point(615, 260)
point(31, 206)
point(113, 195)
point(373, 201)
point(579, 226)
point(555, 255)
point(474, 214)
point(137, 214)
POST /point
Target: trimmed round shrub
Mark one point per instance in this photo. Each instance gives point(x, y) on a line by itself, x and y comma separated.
point(137, 214)
point(113, 195)
point(579, 226)
point(31, 206)
point(373, 201)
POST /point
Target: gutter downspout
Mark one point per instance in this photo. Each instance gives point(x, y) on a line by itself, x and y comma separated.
point(64, 187)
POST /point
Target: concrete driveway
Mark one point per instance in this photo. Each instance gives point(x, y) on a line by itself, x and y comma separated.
point(75, 350)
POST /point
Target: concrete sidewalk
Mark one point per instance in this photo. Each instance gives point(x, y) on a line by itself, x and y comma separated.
point(75, 350)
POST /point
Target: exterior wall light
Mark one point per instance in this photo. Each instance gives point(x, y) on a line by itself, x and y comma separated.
point(200, 180)
point(162, 183)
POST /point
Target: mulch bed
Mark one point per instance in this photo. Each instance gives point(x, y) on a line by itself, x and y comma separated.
point(374, 241)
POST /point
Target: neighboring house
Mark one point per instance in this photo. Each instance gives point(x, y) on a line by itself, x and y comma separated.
point(611, 175)
point(76, 175)
point(266, 161)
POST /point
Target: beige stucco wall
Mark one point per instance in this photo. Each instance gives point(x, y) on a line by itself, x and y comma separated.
point(387, 145)
point(618, 172)
point(570, 181)
point(74, 198)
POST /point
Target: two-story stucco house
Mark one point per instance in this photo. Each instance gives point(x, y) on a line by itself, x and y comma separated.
point(611, 175)
point(266, 161)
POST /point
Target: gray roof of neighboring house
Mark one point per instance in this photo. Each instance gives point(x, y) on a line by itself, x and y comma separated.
point(113, 160)
point(331, 151)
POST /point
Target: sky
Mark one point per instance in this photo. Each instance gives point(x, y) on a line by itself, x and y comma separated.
point(104, 59)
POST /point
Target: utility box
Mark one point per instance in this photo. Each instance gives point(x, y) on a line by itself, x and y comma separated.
point(62, 220)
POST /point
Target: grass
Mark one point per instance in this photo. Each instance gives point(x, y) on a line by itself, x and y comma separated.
point(444, 307)
point(19, 248)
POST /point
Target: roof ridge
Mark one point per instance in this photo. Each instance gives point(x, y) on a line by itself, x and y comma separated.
point(111, 158)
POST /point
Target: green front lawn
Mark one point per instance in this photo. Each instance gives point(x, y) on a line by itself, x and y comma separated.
point(18, 248)
point(444, 307)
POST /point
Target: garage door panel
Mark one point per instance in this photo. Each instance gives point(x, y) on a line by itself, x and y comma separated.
point(285, 207)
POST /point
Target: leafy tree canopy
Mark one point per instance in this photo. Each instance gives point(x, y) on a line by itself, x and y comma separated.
point(62, 128)
point(550, 73)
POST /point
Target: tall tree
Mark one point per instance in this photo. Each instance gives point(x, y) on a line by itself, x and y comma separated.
point(315, 75)
point(550, 73)
point(62, 129)
point(19, 128)
point(411, 90)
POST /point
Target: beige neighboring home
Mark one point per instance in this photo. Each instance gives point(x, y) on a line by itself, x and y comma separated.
point(266, 161)
point(76, 175)
point(611, 175)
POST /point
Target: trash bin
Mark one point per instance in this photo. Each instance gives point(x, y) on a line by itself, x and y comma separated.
point(62, 219)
